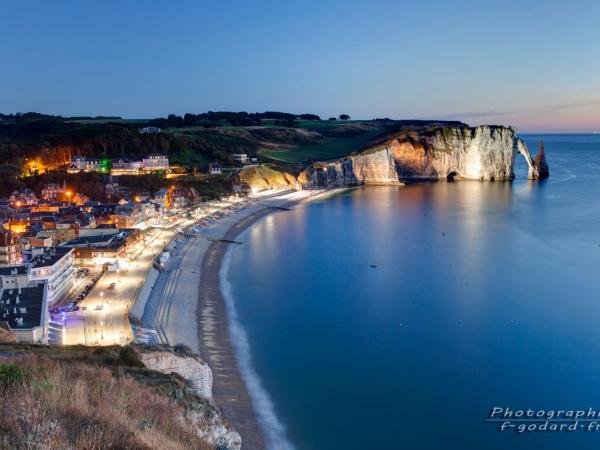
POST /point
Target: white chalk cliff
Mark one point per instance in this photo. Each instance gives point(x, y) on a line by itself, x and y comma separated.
point(485, 153)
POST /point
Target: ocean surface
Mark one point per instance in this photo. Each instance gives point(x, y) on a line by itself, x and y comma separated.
point(483, 295)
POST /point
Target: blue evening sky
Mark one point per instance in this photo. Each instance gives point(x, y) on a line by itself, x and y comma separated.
point(532, 64)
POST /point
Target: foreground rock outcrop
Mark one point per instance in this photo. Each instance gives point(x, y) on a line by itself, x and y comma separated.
point(7, 336)
point(266, 177)
point(216, 431)
point(540, 162)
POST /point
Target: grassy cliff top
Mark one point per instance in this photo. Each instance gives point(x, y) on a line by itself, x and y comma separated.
point(83, 398)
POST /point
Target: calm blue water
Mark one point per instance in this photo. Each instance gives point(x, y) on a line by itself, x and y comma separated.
point(484, 294)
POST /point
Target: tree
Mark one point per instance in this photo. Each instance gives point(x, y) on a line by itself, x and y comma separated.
point(309, 117)
point(344, 117)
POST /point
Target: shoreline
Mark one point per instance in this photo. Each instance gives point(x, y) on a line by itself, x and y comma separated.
point(188, 305)
point(216, 327)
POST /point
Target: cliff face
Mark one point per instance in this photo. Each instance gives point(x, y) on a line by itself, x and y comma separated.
point(265, 177)
point(210, 427)
point(481, 153)
point(485, 153)
point(521, 148)
point(375, 167)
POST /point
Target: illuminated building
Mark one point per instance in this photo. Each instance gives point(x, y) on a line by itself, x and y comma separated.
point(54, 191)
point(215, 169)
point(85, 164)
point(23, 197)
point(155, 162)
point(55, 266)
point(241, 158)
point(10, 247)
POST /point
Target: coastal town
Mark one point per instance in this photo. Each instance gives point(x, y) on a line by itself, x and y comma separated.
point(72, 269)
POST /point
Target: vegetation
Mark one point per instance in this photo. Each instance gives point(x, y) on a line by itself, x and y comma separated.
point(92, 398)
point(327, 149)
point(36, 148)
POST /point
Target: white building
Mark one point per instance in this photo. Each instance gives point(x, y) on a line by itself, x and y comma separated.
point(155, 162)
point(215, 168)
point(241, 158)
point(81, 163)
point(24, 311)
point(123, 166)
point(55, 266)
point(149, 130)
point(52, 191)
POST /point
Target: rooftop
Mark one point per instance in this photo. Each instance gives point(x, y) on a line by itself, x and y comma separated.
point(49, 257)
point(13, 270)
point(109, 240)
point(22, 308)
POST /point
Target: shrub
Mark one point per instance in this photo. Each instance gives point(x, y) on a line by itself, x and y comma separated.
point(10, 375)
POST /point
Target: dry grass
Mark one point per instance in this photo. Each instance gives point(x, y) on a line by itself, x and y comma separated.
point(49, 404)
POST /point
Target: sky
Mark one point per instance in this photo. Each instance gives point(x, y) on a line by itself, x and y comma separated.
point(534, 65)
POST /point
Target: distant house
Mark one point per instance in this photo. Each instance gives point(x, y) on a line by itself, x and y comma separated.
point(107, 246)
point(130, 215)
point(160, 198)
point(241, 158)
point(84, 164)
point(23, 197)
point(111, 186)
point(53, 191)
point(178, 198)
point(10, 248)
point(215, 168)
point(149, 130)
point(126, 215)
point(123, 166)
point(155, 162)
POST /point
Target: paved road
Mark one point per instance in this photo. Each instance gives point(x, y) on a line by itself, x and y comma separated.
point(109, 324)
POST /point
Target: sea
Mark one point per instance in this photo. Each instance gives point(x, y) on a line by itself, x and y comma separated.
point(400, 317)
